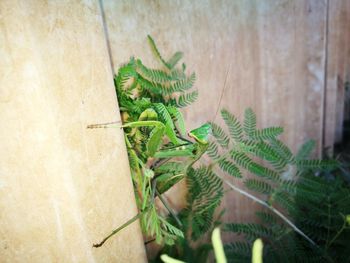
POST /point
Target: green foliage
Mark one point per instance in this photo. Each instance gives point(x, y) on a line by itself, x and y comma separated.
point(305, 150)
point(220, 135)
point(187, 99)
point(289, 185)
point(233, 124)
point(213, 150)
point(205, 194)
point(258, 186)
point(249, 124)
point(267, 133)
point(230, 168)
point(149, 101)
point(251, 231)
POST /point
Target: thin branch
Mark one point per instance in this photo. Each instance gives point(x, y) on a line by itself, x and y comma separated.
point(274, 210)
point(171, 211)
point(222, 93)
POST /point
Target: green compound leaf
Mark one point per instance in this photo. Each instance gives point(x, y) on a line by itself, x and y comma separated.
point(156, 51)
point(305, 150)
point(230, 168)
point(233, 125)
point(220, 135)
point(267, 133)
point(258, 186)
point(212, 150)
point(153, 75)
point(172, 62)
point(317, 164)
point(187, 99)
point(249, 125)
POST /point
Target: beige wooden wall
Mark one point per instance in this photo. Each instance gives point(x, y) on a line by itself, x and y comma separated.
point(274, 54)
point(62, 187)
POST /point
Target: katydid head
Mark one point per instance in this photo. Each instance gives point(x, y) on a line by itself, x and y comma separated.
point(201, 134)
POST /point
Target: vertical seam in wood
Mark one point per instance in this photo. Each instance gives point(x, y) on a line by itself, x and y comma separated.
point(324, 94)
point(106, 34)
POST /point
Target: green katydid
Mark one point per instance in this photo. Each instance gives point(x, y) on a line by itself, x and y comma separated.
point(163, 182)
point(200, 135)
point(191, 150)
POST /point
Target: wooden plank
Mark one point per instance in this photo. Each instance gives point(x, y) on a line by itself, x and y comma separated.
point(331, 73)
point(63, 187)
point(293, 63)
point(343, 25)
point(347, 69)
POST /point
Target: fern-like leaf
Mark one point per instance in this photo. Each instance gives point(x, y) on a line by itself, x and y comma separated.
point(266, 218)
point(220, 135)
point(124, 74)
point(317, 164)
point(251, 231)
point(230, 168)
point(258, 186)
point(171, 63)
point(212, 150)
point(266, 152)
point(180, 85)
point(249, 125)
point(285, 201)
point(243, 160)
point(238, 252)
point(168, 88)
point(153, 75)
point(177, 74)
point(152, 87)
point(282, 149)
point(233, 124)
point(156, 51)
point(187, 99)
point(204, 196)
point(171, 229)
point(305, 150)
point(267, 133)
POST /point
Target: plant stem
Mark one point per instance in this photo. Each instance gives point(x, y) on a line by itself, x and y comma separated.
point(118, 229)
point(171, 211)
point(274, 210)
point(329, 222)
point(336, 235)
